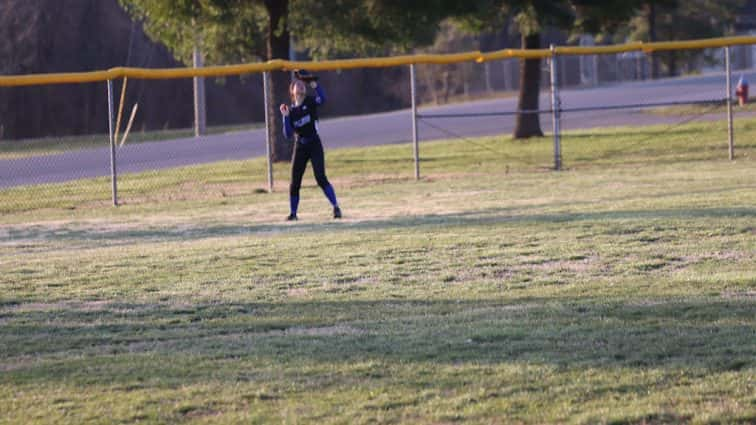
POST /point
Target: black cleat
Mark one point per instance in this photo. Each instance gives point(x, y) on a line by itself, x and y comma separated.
point(291, 217)
point(336, 212)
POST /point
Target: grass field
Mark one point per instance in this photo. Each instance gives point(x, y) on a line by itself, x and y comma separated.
point(622, 290)
point(718, 110)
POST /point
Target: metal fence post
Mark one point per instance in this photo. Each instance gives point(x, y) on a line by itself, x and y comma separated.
point(266, 97)
point(555, 109)
point(200, 102)
point(730, 130)
point(487, 74)
point(415, 143)
point(111, 134)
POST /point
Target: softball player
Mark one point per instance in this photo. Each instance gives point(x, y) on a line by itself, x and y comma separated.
point(300, 120)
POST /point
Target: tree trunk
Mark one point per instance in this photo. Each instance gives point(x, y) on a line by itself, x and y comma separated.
point(528, 124)
point(652, 37)
point(278, 48)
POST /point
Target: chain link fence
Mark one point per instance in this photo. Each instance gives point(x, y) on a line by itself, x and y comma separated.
point(458, 102)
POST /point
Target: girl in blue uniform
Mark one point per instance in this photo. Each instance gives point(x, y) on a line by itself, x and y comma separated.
point(300, 120)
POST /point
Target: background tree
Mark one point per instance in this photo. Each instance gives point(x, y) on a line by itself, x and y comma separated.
point(437, 83)
point(680, 20)
point(249, 30)
point(531, 17)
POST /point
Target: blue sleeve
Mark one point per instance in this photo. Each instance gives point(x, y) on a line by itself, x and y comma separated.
point(320, 99)
point(288, 129)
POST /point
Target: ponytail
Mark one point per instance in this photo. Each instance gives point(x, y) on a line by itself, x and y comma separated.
point(291, 91)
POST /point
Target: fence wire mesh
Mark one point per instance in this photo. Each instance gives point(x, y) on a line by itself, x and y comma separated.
point(472, 104)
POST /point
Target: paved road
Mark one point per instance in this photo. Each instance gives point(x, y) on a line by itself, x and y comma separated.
point(366, 130)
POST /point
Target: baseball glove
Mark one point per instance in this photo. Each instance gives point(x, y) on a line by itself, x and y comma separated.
point(305, 75)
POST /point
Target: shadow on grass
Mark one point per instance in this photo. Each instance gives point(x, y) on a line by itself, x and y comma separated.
point(127, 342)
point(472, 218)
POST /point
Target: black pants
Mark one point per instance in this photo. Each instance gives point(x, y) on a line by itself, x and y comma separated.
point(312, 151)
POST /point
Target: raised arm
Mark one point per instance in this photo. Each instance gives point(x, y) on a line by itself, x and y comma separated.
point(320, 97)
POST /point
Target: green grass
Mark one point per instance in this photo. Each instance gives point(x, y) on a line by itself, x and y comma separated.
point(620, 291)
point(702, 109)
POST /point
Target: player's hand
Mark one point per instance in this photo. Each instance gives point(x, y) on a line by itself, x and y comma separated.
point(284, 109)
point(313, 84)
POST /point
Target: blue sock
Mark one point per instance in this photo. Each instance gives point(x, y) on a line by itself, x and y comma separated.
point(331, 195)
point(293, 204)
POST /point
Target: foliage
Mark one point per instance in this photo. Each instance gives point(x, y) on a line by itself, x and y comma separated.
point(682, 20)
point(224, 33)
point(360, 27)
point(234, 30)
point(532, 16)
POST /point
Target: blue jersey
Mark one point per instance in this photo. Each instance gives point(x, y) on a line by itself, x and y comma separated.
point(302, 122)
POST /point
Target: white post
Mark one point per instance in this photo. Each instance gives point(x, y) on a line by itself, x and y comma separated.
point(200, 107)
point(508, 74)
point(268, 140)
point(555, 109)
point(111, 134)
point(415, 147)
point(588, 64)
point(596, 70)
point(487, 71)
point(730, 131)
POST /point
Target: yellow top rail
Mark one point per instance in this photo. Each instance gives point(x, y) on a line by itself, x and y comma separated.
point(330, 65)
